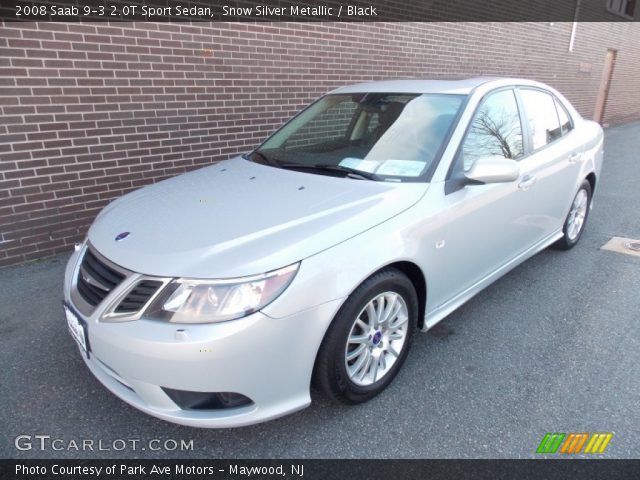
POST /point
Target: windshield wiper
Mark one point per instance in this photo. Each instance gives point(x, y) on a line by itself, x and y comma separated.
point(332, 168)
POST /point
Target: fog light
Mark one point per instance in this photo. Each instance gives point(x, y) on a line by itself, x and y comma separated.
point(206, 400)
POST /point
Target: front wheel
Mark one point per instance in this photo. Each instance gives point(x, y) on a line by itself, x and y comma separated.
point(576, 218)
point(368, 339)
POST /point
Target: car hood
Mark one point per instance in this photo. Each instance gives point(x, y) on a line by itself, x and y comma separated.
point(238, 218)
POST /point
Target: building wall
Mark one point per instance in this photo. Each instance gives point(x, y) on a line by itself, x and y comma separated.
point(91, 111)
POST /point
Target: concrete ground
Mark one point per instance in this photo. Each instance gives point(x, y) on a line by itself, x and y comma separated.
point(554, 346)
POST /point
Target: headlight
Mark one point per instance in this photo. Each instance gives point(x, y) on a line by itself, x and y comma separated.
point(208, 301)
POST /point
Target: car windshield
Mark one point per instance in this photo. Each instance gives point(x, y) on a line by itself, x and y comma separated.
point(388, 136)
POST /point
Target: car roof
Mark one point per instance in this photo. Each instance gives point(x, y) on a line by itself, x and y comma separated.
point(460, 87)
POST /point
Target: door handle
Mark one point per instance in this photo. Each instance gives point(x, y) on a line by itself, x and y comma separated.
point(526, 182)
point(575, 157)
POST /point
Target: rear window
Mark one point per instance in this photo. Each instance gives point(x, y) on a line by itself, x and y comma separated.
point(543, 120)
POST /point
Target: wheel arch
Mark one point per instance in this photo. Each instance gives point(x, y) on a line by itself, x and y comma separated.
point(417, 277)
point(591, 178)
point(323, 372)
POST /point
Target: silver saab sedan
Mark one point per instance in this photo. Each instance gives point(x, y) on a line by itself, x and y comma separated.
point(218, 297)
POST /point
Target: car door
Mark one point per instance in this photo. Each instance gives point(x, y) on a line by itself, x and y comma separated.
point(489, 224)
point(556, 154)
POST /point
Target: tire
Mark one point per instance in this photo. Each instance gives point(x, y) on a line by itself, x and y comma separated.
point(580, 206)
point(353, 333)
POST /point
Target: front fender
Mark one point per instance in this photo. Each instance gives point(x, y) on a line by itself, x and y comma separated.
point(336, 272)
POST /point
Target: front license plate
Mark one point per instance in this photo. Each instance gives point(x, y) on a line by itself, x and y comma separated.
point(77, 328)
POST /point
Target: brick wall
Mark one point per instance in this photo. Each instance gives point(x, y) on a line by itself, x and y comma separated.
point(91, 111)
point(329, 125)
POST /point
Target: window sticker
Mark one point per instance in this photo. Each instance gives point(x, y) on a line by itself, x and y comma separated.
point(360, 164)
point(403, 168)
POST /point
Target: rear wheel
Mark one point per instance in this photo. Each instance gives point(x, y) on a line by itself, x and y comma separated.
point(576, 218)
point(368, 339)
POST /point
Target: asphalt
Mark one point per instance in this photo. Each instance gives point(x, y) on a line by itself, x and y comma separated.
point(554, 346)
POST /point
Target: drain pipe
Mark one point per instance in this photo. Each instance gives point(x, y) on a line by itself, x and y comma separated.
point(575, 26)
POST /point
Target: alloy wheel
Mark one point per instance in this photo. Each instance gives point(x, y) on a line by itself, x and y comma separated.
point(376, 338)
point(577, 214)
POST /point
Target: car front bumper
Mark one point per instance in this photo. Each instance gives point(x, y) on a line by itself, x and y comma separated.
point(269, 360)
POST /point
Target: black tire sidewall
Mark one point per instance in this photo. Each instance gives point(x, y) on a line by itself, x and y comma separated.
point(586, 186)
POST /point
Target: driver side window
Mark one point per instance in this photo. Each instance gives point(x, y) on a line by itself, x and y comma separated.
point(495, 131)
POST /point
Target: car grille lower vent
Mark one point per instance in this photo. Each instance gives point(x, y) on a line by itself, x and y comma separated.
point(96, 279)
point(138, 296)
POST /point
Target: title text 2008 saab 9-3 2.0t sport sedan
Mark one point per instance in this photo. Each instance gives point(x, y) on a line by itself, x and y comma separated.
point(216, 298)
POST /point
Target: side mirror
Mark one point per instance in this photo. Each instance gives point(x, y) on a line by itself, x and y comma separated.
point(493, 170)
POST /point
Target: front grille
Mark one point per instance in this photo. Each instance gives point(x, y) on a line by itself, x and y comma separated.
point(138, 296)
point(96, 279)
